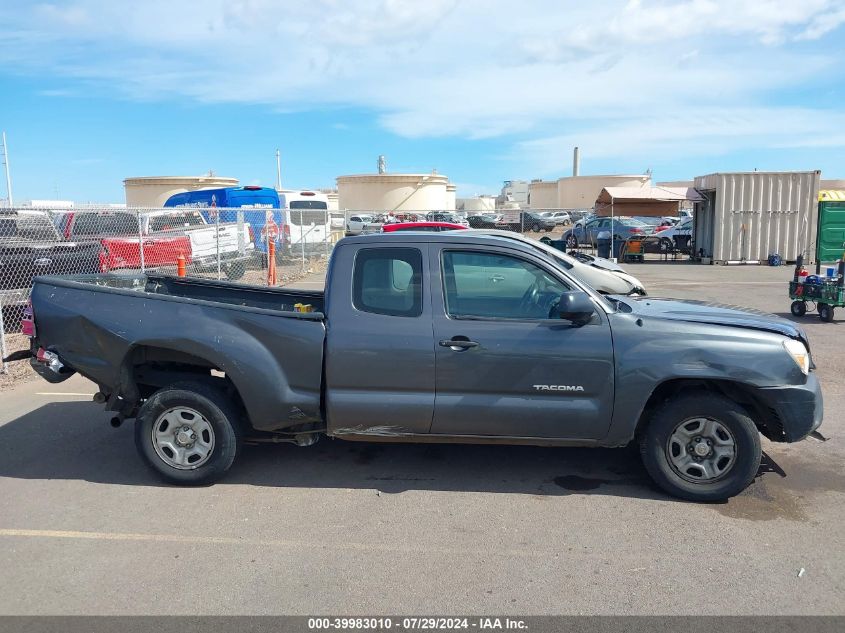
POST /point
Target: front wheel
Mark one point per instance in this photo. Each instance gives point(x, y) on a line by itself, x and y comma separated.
point(701, 447)
point(571, 241)
point(188, 433)
point(535, 228)
point(798, 308)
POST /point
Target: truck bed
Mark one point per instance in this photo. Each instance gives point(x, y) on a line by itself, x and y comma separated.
point(126, 332)
point(283, 299)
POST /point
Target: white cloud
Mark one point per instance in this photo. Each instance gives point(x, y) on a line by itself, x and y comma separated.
point(603, 72)
point(708, 132)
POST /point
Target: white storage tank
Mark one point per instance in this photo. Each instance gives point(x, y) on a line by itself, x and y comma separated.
point(747, 216)
point(451, 192)
point(394, 192)
point(152, 191)
point(477, 204)
point(542, 194)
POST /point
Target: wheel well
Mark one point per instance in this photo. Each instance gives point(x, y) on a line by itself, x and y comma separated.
point(148, 369)
point(765, 418)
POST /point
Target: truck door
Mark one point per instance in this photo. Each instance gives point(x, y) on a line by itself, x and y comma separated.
point(379, 351)
point(504, 368)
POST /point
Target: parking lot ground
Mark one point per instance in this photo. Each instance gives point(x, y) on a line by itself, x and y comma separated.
point(366, 528)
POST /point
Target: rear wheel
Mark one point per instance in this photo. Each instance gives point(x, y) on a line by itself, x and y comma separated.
point(798, 308)
point(571, 241)
point(188, 433)
point(701, 447)
point(826, 312)
point(536, 228)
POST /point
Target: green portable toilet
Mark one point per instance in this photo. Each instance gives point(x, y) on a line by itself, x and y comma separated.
point(830, 244)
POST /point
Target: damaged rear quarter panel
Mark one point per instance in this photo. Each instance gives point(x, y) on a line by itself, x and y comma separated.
point(274, 361)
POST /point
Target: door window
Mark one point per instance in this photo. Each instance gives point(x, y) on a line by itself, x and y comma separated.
point(490, 285)
point(388, 281)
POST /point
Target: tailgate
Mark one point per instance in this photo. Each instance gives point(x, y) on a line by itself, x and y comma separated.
point(123, 252)
point(204, 240)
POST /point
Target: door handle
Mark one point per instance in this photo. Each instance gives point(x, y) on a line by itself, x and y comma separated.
point(458, 344)
point(495, 278)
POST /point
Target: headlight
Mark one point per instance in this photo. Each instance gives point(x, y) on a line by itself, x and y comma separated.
point(800, 354)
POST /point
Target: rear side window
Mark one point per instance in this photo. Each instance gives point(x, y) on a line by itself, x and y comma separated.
point(105, 224)
point(388, 281)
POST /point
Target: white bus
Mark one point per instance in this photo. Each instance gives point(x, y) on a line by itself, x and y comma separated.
point(307, 219)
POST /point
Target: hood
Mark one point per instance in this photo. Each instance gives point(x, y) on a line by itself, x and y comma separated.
point(716, 314)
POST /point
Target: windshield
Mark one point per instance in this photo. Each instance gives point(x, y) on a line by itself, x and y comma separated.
point(175, 221)
point(307, 216)
point(308, 204)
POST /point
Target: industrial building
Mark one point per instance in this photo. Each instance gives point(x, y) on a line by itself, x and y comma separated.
point(577, 191)
point(152, 191)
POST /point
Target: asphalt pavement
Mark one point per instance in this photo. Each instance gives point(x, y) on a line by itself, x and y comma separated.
point(360, 528)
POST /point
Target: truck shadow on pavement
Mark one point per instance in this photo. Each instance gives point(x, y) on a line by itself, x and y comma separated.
point(73, 440)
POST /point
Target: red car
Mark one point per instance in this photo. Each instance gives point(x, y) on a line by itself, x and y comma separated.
point(422, 226)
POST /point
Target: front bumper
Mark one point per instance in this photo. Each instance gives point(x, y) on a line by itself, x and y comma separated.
point(800, 408)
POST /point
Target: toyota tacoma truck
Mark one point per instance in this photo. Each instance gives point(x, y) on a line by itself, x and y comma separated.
point(430, 337)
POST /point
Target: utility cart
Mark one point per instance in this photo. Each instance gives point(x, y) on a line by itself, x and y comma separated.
point(824, 293)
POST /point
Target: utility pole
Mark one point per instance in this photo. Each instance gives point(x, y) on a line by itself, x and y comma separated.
point(278, 170)
point(6, 165)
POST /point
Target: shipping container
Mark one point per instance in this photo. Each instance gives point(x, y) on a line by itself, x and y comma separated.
point(745, 217)
point(831, 240)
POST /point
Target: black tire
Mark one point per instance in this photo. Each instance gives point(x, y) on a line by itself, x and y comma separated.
point(798, 308)
point(535, 228)
point(216, 409)
point(235, 271)
point(571, 241)
point(666, 244)
point(655, 446)
point(826, 312)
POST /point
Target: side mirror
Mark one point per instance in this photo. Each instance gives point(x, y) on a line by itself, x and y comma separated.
point(575, 306)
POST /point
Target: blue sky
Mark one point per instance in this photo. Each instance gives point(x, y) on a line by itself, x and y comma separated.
point(483, 91)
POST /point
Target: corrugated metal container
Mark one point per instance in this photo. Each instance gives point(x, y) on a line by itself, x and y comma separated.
point(749, 216)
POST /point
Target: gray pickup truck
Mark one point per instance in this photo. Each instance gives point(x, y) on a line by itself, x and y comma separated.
point(431, 337)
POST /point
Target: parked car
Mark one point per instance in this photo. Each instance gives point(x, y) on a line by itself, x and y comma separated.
point(527, 221)
point(30, 245)
point(484, 221)
point(678, 236)
point(600, 274)
point(587, 234)
point(558, 217)
point(166, 236)
point(361, 223)
point(444, 216)
point(422, 226)
point(469, 337)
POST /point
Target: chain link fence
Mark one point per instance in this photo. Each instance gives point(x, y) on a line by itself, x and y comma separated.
point(245, 245)
point(252, 246)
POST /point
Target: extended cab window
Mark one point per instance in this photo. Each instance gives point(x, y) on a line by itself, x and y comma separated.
point(388, 281)
point(490, 285)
